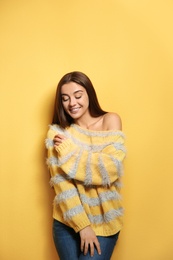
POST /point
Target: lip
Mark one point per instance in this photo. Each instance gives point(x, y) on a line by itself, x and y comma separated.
point(74, 110)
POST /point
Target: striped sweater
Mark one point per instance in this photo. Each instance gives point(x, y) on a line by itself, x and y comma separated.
point(85, 173)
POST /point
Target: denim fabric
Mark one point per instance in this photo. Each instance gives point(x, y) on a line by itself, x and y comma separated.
point(67, 243)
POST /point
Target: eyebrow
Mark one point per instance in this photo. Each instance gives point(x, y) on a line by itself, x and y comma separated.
point(77, 91)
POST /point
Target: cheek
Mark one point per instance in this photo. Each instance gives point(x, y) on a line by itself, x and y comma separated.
point(87, 102)
point(85, 99)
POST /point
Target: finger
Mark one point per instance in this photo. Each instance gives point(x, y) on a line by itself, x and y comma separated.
point(91, 249)
point(60, 136)
point(97, 245)
point(58, 140)
point(85, 248)
point(82, 245)
point(57, 143)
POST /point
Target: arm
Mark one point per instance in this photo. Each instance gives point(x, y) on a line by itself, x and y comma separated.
point(102, 167)
point(68, 201)
point(67, 197)
point(73, 213)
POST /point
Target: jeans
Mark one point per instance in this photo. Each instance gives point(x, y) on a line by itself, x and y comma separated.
point(67, 243)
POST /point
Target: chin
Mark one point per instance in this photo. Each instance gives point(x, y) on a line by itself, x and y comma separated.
point(75, 116)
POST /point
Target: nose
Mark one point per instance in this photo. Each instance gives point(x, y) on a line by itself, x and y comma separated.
point(72, 102)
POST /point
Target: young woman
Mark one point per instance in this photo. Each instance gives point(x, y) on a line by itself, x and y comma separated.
point(85, 153)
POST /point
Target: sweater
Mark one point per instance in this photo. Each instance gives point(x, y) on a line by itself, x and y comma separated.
point(85, 170)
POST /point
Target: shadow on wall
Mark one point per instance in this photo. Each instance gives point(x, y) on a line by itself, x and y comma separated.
point(49, 250)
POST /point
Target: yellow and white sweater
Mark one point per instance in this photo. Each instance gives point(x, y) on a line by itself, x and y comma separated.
point(85, 173)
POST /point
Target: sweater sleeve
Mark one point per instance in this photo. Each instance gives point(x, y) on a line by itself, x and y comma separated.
point(92, 167)
point(67, 199)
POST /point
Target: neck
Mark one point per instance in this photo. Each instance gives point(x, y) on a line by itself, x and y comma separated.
point(89, 122)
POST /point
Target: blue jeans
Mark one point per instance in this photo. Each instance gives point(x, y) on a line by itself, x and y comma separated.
point(67, 243)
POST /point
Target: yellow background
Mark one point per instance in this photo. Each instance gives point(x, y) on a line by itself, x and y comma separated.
point(126, 48)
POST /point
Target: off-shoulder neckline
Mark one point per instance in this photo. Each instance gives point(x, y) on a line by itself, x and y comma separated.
point(95, 131)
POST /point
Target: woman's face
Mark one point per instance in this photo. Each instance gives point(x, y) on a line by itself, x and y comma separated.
point(75, 100)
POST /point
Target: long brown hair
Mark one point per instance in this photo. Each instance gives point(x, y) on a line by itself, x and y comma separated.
point(60, 117)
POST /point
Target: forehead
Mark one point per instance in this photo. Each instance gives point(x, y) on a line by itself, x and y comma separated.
point(71, 88)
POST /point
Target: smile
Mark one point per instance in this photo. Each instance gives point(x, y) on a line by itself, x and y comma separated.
point(74, 110)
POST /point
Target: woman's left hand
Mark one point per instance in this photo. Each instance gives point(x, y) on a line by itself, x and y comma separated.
point(58, 139)
point(89, 241)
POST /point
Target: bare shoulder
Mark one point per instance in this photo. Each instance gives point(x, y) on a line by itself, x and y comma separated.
point(112, 121)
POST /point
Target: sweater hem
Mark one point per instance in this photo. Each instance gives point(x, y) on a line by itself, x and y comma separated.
point(99, 230)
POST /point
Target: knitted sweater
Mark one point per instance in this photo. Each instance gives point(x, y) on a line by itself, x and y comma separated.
point(85, 173)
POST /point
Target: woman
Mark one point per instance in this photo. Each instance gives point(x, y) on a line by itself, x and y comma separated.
point(85, 154)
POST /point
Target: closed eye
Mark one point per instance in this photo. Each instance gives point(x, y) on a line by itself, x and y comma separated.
point(65, 98)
